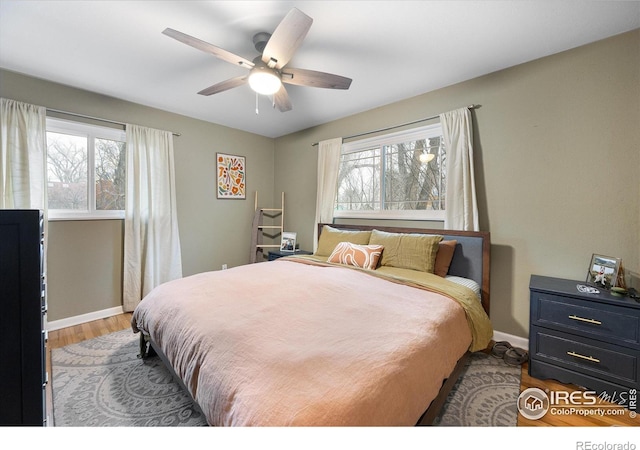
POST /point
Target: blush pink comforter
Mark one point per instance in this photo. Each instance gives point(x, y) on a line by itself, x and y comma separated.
point(284, 343)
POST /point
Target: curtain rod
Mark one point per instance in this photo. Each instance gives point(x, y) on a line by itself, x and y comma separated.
point(394, 126)
point(92, 118)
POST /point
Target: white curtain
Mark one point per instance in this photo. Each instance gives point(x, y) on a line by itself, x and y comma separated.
point(461, 212)
point(151, 241)
point(22, 155)
point(328, 165)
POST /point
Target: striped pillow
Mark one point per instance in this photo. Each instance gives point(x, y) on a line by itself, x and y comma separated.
point(363, 256)
point(475, 287)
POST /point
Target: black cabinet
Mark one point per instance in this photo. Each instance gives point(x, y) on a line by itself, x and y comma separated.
point(22, 321)
point(588, 339)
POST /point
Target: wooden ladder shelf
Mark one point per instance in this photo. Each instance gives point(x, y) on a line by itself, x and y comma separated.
point(259, 229)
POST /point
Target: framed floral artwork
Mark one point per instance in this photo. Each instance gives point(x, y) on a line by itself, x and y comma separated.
point(231, 176)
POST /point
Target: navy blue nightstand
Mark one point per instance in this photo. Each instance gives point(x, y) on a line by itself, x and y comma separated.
point(275, 254)
point(588, 339)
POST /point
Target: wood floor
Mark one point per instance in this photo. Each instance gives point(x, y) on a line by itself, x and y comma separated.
point(71, 335)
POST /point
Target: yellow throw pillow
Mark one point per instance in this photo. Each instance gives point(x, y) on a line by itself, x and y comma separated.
point(330, 237)
point(407, 250)
point(364, 256)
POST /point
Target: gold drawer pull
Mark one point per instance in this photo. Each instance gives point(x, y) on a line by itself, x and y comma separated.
point(582, 319)
point(588, 358)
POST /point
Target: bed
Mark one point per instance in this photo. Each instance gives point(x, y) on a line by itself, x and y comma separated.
point(371, 330)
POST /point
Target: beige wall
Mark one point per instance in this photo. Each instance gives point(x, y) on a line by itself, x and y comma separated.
point(557, 165)
point(84, 264)
point(84, 273)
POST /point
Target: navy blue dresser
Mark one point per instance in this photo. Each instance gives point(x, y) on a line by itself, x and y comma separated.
point(23, 376)
point(587, 339)
point(275, 254)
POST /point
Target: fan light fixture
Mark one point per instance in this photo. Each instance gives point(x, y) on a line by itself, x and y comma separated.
point(265, 71)
point(264, 81)
point(426, 157)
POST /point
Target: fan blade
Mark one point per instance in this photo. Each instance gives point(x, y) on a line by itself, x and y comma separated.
point(286, 39)
point(303, 77)
point(209, 48)
point(224, 86)
point(281, 100)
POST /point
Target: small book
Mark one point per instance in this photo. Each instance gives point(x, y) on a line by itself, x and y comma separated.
point(288, 242)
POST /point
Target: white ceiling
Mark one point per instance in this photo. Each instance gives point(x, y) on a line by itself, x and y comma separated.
point(391, 49)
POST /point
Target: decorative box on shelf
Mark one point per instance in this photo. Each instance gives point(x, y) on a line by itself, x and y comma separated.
point(584, 336)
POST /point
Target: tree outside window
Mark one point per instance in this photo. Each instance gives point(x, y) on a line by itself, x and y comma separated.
point(394, 176)
point(86, 170)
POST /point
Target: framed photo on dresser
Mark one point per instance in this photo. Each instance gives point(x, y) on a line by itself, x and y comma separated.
point(603, 271)
point(288, 241)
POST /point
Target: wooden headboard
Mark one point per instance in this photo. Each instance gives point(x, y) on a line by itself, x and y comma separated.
point(471, 259)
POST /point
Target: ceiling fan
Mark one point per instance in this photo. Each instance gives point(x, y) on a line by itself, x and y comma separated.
point(268, 72)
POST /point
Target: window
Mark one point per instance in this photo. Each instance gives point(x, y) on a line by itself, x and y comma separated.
point(395, 176)
point(86, 171)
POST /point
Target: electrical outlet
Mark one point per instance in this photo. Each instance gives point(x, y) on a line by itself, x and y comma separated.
point(224, 267)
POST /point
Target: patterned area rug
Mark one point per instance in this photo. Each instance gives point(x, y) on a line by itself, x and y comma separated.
point(485, 395)
point(101, 382)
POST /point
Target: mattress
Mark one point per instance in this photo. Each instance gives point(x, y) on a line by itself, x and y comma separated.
point(298, 342)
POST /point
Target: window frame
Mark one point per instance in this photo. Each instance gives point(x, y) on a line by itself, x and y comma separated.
point(91, 132)
point(423, 132)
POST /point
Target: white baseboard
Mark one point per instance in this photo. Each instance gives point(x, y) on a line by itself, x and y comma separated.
point(516, 341)
point(77, 320)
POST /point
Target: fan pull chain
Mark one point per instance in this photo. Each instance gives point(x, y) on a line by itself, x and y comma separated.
point(257, 110)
